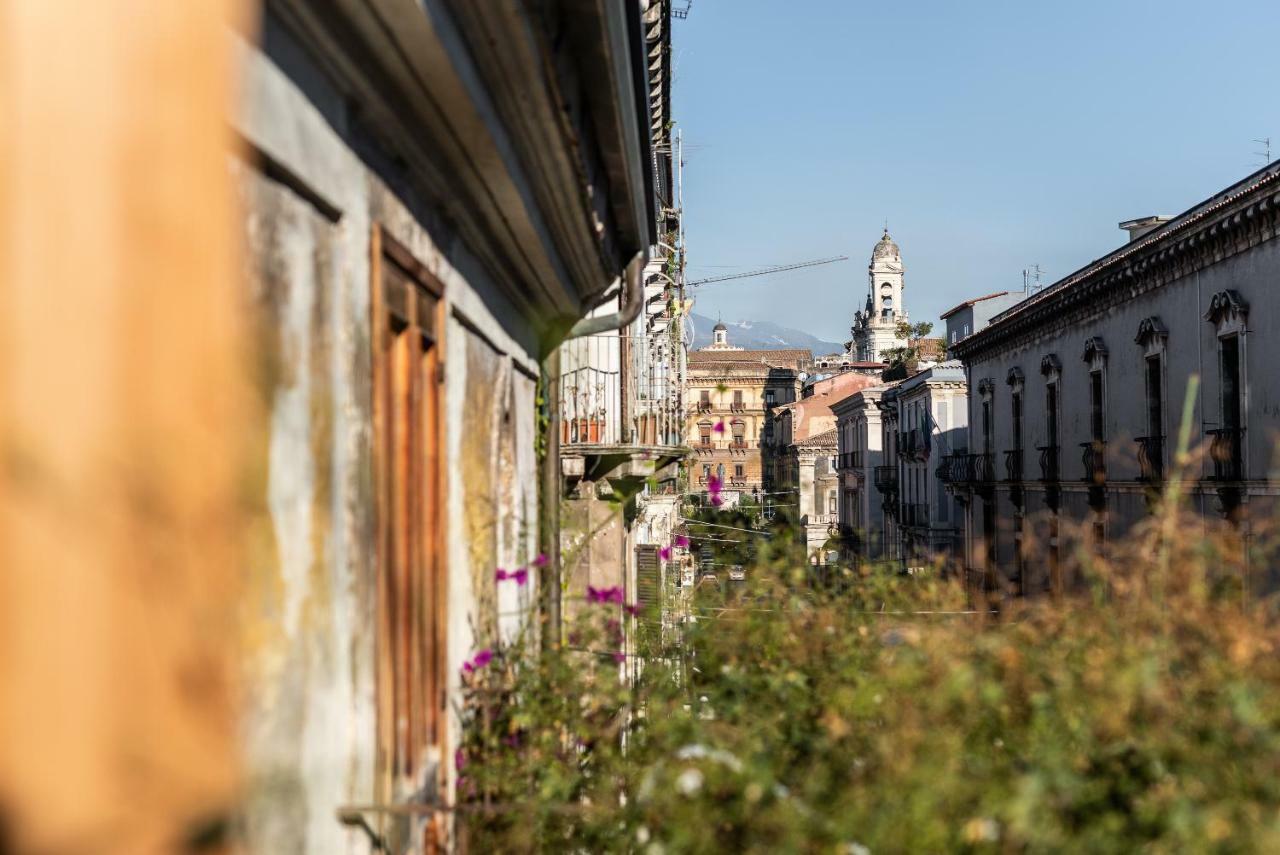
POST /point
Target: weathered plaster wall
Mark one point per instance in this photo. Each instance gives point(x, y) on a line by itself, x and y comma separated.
point(310, 613)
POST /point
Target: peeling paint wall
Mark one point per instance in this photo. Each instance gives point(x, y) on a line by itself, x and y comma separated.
point(308, 626)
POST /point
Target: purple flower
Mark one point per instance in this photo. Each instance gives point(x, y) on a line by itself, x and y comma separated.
point(541, 560)
point(459, 760)
point(619, 657)
point(682, 541)
point(717, 501)
point(719, 426)
point(604, 595)
point(665, 553)
point(633, 609)
point(521, 576)
point(501, 575)
point(483, 658)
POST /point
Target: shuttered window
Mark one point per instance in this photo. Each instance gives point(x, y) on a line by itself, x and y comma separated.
point(411, 618)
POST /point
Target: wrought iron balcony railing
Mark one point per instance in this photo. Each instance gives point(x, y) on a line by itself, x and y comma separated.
point(951, 469)
point(1150, 459)
point(1226, 449)
point(982, 469)
point(1013, 465)
point(886, 479)
point(915, 514)
point(1094, 457)
point(1049, 468)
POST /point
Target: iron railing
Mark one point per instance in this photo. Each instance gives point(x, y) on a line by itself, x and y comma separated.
point(1150, 459)
point(916, 515)
point(620, 388)
point(1094, 457)
point(1013, 465)
point(1226, 450)
point(886, 479)
point(1049, 459)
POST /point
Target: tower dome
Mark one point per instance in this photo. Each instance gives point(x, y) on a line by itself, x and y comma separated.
point(885, 248)
point(720, 327)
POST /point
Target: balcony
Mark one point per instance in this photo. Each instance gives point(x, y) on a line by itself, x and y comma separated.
point(951, 469)
point(971, 470)
point(1226, 451)
point(1049, 474)
point(1094, 457)
point(1013, 465)
point(855, 459)
point(737, 407)
point(1150, 459)
point(886, 479)
point(916, 515)
point(629, 423)
point(1049, 463)
point(704, 407)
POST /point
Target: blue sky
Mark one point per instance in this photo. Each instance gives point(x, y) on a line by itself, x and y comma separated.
point(991, 135)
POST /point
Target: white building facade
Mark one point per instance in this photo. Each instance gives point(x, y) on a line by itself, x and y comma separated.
point(1080, 390)
point(859, 452)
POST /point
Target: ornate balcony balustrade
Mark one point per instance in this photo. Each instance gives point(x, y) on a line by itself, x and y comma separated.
point(1226, 451)
point(1049, 459)
point(1013, 465)
point(1150, 459)
point(1094, 457)
point(915, 514)
point(886, 479)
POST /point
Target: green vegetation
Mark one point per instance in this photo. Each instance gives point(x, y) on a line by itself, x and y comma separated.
point(1141, 711)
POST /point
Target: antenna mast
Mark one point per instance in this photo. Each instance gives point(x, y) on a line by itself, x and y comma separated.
point(1265, 154)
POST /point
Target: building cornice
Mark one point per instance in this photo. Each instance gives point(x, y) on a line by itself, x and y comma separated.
point(1239, 219)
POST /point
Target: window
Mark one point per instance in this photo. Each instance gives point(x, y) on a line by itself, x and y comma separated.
point(965, 330)
point(986, 425)
point(739, 471)
point(769, 399)
point(706, 471)
point(704, 400)
point(720, 472)
point(737, 399)
point(1229, 354)
point(704, 433)
point(832, 505)
point(1051, 414)
point(1155, 397)
point(1097, 425)
point(411, 615)
point(1015, 417)
point(739, 433)
point(954, 336)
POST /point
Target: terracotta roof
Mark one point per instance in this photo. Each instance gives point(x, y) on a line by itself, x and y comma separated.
point(791, 358)
point(949, 312)
point(826, 438)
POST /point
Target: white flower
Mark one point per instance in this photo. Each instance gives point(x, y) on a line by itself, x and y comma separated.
point(856, 849)
point(689, 782)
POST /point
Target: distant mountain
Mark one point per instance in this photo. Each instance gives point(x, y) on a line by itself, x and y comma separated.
point(760, 335)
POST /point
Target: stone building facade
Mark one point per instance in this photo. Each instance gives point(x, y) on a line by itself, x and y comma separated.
point(859, 454)
point(1079, 390)
point(731, 401)
point(807, 459)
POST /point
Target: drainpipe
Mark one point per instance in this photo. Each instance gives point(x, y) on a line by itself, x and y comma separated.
point(549, 517)
point(632, 301)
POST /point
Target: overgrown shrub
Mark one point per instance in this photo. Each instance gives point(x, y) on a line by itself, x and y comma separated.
point(1140, 712)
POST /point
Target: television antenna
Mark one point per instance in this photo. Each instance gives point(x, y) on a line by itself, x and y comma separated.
point(681, 14)
point(764, 271)
point(1265, 154)
point(1031, 279)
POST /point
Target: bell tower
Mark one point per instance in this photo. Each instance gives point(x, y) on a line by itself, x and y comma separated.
point(875, 328)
